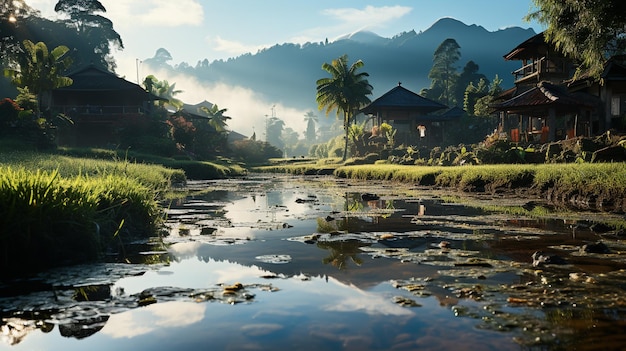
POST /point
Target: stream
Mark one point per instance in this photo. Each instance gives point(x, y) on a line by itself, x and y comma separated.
point(275, 262)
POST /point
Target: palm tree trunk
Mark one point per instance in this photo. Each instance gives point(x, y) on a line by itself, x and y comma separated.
point(346, 124)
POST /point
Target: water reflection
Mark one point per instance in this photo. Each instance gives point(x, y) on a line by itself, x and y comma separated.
point(287, 263)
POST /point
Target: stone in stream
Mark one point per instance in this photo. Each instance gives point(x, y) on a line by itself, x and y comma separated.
point(540, 259)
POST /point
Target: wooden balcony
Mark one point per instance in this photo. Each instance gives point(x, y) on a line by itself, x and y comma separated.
point(552, 70)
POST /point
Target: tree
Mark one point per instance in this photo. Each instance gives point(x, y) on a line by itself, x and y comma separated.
point(218, 120)
point(310, 134)
point(584, 30)
point(482, 106)
point(164, 90)
point(473, 93)
point(274, 131)
point(345, 91)
point(12, 14)
point(468, 76)
point(84, 18)
point(443, 74)
point(41, 70)
point(160, 59)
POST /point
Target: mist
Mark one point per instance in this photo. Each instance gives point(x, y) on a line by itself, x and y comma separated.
point(247, 108)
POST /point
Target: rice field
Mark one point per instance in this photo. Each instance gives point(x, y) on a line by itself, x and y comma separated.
point(60, 210)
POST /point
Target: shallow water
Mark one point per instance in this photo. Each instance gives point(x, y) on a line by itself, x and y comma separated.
point(330, 264)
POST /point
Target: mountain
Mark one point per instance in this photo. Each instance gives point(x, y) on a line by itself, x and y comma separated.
point(287, 73)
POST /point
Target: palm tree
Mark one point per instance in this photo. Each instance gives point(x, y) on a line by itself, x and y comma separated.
point(164, 90)
point(345, 91)
point(218, 120)
point(40, 70)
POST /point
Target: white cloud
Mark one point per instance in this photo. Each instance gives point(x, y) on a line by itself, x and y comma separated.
point(232, 48)
point(124, 13)
point(369, 16)
point(157, 13)
point(350, 20)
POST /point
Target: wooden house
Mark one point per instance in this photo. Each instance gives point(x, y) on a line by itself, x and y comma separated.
point(411, 115)
point(611, 90)
point(101, 106)
point(541, 108)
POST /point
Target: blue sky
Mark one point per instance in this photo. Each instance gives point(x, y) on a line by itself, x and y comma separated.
point(192, 30)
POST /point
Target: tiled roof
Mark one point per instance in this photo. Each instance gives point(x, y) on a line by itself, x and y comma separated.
point(546, 94)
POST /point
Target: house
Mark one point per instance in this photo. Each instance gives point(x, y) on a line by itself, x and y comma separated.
point(541, 107)
point(411, 115)
point(610, 89)
point(101, 106)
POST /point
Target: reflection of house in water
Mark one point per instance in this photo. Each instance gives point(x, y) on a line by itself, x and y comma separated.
point(412, 115)
point(102, 105)
point(546, 104)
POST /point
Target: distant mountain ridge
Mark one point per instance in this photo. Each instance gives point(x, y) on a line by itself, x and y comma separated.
point(287, 73)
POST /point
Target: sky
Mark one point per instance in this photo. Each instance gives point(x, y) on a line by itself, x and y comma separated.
point(194, 30)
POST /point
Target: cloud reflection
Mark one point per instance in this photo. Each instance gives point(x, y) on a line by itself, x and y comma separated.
point(158, 316)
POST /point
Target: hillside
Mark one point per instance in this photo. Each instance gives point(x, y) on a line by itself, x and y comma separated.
point(286, 73)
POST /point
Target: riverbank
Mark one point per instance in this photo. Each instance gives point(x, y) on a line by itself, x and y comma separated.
point(59, 210)
point(580, 186)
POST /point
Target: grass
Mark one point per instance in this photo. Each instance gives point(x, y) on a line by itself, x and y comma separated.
point(61, 210)
point(596, 186)
point(219, 168)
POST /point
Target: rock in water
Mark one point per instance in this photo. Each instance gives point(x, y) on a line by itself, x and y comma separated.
point(598, 247)
point(540, 259)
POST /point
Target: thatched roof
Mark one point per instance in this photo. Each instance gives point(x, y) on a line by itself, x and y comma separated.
point(529, 49)
point(94, 79)
point(546, 94)
point(400, 98)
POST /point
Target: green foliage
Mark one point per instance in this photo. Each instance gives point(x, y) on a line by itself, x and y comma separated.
point(50, 219)
point(586, 31)
point(344, 91)
point(40, 70)
point(164, 90)
point(217, 118)
point(469, 76)
point(443, 73)
point(253, 151)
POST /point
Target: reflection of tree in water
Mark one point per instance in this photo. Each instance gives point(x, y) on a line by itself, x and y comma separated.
point(341, 252)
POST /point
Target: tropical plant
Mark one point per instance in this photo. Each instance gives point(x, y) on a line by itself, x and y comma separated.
point(218, 119)
point(164, 90)
point(39, 69)
point(345, 91)
point(588, 31)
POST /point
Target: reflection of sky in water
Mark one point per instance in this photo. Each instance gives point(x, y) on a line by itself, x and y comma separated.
point(307, 307)
point(348, 308)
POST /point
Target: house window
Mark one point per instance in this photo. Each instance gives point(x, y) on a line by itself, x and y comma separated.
point(615, 102)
